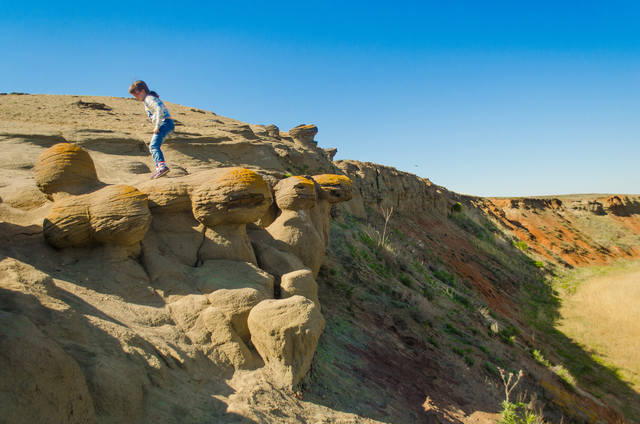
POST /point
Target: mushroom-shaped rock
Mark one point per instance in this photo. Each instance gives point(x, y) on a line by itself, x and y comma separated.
point(115, 215)
point(285, 333)
point(300, 282)
point(65, 167)
point(335, 188)
point(235, 305)
point(232, 196)
point(295, 193)
point(304, 134)
point(228, 201)
point(306, 232)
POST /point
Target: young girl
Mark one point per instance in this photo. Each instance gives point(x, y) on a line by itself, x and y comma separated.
point(159, 115)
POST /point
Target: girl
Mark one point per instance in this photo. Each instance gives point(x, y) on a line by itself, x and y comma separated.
point(159, 115)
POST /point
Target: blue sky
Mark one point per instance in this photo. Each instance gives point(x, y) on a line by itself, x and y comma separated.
point(483, 97)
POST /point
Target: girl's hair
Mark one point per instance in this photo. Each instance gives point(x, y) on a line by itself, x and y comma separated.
point(141, 85)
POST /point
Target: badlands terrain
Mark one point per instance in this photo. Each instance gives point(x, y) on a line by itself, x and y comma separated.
point(261, 281)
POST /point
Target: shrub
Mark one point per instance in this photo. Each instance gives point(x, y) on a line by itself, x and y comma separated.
point(518, 413)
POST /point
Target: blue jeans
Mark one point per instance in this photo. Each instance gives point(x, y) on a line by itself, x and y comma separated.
point(156, 141)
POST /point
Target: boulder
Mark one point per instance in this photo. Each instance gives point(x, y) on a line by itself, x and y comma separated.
point(300, 282)
point(295, 193)
point(231, 196)
point(65, 167)
point(236, 304)
point(115, 214)
point(285, 333)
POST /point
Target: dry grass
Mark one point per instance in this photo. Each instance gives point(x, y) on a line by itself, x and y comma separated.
point(600, 311)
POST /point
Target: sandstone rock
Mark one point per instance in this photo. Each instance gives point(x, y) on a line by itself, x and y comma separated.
point(68, 223)
point(119, 215)
point(295, 193)
point(117, 389)
point(233, 196)
point(115, 214)
point(300, 283)
point(179, 236)
point(219, 342)
point(235, 305)
point(273, 130)
point(185, 311)
point(335, 188)
point(304, 134)
point(285, 333)
point(225, 274)
point(168, 195)
point(295, 229)
point(330, 152)
point(306, 232)
point(227, 242)
point(382, 186)
point(65, 167)
point(39, 382)
point(276, 261)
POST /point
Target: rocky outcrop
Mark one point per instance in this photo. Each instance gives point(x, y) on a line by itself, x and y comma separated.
point(622, 206)
point(378, 186)
point(304, 134)
point(116, 214)
point(303, 224)
point(199, 243)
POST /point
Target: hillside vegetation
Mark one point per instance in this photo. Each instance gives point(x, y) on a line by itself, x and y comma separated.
point(426, 294)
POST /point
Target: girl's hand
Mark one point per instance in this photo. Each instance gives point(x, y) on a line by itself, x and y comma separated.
point(156, 130)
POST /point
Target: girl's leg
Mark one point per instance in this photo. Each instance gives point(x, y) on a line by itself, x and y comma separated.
point(156, 141)
point(154, 148)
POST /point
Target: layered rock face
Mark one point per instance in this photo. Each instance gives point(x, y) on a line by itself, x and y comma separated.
point(382, 186)
point(241, 301)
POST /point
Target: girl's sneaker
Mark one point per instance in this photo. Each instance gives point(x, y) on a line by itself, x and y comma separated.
point(160, 172)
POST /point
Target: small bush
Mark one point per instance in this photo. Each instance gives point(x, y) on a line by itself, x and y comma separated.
point(518, 413)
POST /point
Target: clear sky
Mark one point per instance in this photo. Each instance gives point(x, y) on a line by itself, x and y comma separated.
point(483, 97)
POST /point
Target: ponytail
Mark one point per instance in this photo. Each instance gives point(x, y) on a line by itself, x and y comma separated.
point(154, 94)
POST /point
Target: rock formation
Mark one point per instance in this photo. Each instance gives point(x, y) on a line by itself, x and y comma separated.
point(199, 241)
point(285, 332)
point(304, 134)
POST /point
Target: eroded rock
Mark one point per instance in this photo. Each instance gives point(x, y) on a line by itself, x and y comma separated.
point(65, 167)
point(285, 333)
